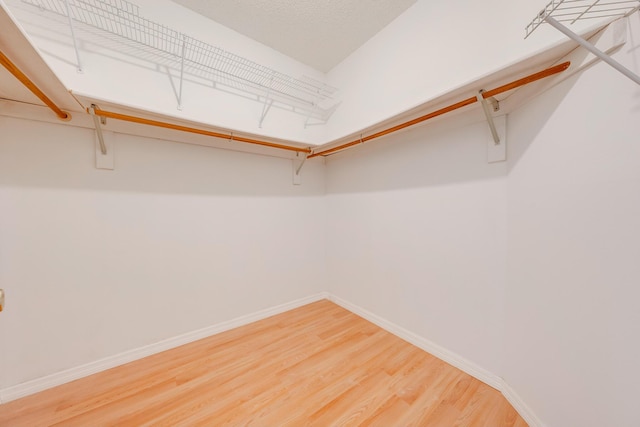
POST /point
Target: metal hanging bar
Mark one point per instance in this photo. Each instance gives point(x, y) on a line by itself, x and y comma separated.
point(488, 94)
point(591, 48)
point(13, 69)
point(165, 125)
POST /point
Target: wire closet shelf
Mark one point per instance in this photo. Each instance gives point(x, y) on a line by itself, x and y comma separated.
point(121, 18)
point(572, 11)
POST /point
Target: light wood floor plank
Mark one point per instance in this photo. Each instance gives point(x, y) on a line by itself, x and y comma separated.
point(316, 365)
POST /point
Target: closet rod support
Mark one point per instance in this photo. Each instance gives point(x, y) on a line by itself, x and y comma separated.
point(301, 164)
point(96, 122)
point(487, 112)
point(591, 48)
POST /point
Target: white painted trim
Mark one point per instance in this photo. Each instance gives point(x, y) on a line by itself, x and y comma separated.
point(448, 356)
point(522, 408)
point(40, 384)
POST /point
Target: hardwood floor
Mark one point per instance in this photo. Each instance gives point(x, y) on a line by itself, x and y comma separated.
point(316, 365)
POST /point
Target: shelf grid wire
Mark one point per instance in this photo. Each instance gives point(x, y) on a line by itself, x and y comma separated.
point(575, 10)
point(122, 18)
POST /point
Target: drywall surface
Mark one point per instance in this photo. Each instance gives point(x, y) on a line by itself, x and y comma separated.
point(573, 301)
point(176, 238)
point(429, 50)
point(416, 233)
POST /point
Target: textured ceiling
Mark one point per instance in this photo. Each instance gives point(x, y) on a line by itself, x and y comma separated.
point(319, 33)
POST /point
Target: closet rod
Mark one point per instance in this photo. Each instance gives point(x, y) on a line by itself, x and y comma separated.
point(13, 69)
point(230, 137)
point(488, 94)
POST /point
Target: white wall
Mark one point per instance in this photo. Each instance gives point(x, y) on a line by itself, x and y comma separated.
point(417, 235)
point(176, 238)
point(573, 300)
point(529, 269)
point(429, 50)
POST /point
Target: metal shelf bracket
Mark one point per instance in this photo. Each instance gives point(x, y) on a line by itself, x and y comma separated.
point(487, 112)
point(96, 123)
point(575, 10)
point(104, 141)
point(297, 167)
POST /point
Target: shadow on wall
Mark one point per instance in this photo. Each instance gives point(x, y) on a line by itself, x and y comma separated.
point(519, 141)
point(44, 155)
point(448, 150)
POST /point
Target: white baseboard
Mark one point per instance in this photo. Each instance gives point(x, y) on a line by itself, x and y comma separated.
point(448, 356)
point(40, 384)
point(429, 346)
point(522, 408)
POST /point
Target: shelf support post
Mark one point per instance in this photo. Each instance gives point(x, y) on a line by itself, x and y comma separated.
point(73, 36)
point(591, 48)
point(96, 123)
point(268, 102)
point(489, 116)
point(105, 141)
point(296, 169)
point(311, 111)
point(184, 45)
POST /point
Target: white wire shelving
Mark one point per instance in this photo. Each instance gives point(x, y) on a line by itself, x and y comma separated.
point(558, 12)
point(192, 56)
point(572, 11)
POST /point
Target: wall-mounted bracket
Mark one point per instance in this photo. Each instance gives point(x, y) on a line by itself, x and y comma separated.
point(297, 167)
point(498, 152)
point(487, 112)
point(104, 142)
point(265, 109)
point(96, 123)
point(497, 142)
point(495, 104)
